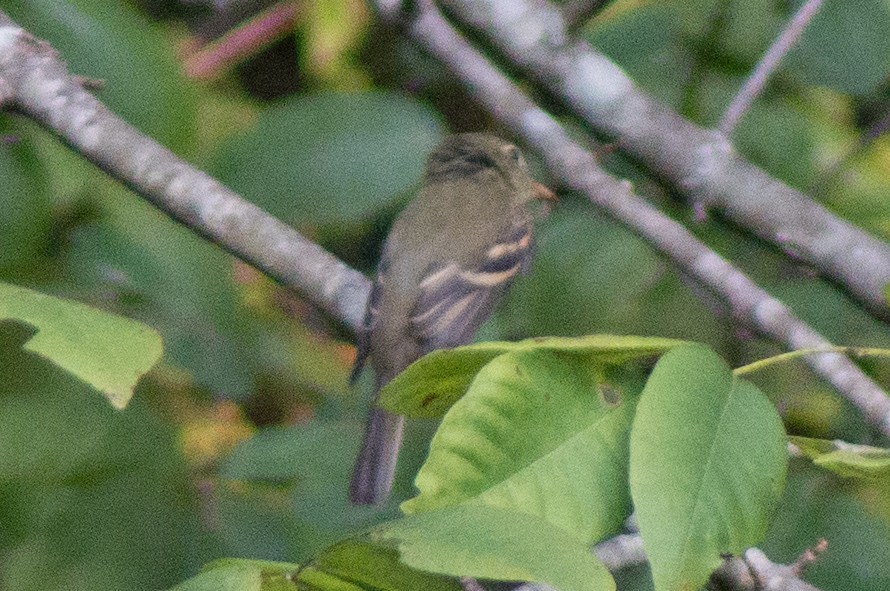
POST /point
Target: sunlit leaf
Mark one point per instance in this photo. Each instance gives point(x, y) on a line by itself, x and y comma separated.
point(541, 433)
point(106, 351)
point(352, 565)
point(224, 579)
point(231, 574)
point(429, 387)
point(707, 466)
point(845, 459)
point(489, 543)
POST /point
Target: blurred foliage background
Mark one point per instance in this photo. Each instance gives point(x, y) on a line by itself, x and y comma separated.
point(241, 442)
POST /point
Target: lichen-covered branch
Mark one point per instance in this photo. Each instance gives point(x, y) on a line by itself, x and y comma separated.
point(699, 162)
point(35, 83)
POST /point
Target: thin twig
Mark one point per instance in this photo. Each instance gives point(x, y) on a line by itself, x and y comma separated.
point(44, 91)
point(809, 556)
point(572, 164)
point(246, 40)
point(769, 575)
point(698, 162)
point(755, 83)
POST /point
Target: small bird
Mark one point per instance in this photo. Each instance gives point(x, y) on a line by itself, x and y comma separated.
point(450, 255)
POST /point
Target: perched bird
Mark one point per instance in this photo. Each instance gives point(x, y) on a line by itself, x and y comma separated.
point(449, 256)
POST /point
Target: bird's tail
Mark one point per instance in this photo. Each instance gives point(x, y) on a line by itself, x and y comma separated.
point(376, 464)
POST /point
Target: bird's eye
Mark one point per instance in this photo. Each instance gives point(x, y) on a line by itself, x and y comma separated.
point(515, 155)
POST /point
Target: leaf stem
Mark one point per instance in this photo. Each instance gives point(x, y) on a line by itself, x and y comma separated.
point(851, 351)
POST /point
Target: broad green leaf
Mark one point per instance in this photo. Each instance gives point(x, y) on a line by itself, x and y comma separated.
point(431, 385)
point(108, 352)
point(345, 156)
point(490, 543)
point(846, 459)
point(224, 579)
point(358, 564)
point(707, 466)
point(113, 42)
point(539, 432)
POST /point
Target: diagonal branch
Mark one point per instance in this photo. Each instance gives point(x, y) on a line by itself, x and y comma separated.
point(755, 83)
point(698, 162)
point(37, 84)
point(579, 171)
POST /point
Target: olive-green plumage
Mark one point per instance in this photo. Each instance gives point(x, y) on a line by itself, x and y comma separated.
point(449, 256)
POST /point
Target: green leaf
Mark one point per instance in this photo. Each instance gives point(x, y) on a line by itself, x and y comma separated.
point(489, 543)
point(431, 385)
point(357, 564)
point(854, 520)
point(539, 432)
point(108, 352)
point(230, 574)
point(707, 466)
point(346, 155)
point(787, 151)
point(845, 47)
point(846, 459)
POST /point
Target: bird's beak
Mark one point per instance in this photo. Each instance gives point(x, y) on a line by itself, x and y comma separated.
point(543, 193)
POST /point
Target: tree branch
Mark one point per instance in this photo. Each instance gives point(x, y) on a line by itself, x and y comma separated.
point(579, 171)
point(698, 162)
point(247, 39)
point(37, 84)
point(754, 84)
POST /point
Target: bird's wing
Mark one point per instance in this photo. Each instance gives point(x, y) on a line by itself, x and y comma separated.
point(454, 300)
